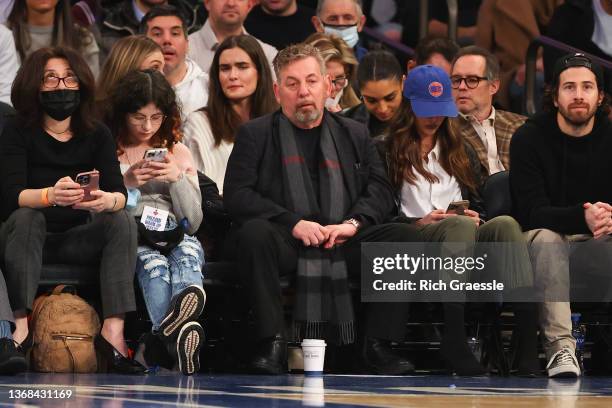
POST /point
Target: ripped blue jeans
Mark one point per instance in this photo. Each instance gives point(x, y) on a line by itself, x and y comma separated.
point(162, 277)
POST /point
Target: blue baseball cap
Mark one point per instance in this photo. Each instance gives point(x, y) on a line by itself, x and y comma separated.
point(429, 89)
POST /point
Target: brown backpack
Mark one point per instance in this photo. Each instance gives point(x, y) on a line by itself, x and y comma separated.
point(63, 327)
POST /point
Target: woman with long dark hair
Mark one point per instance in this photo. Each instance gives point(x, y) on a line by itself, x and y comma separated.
point(240, 89)
point(53, 214)
point(431, 167)
point(37, 24)
point(159, 172)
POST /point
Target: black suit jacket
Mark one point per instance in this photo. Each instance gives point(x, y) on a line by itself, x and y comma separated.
point(253, 185)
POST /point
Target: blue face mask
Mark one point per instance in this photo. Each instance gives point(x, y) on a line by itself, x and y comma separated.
point(348, 33)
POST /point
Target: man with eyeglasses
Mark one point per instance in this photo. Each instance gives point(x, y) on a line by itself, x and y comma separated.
point(475, 81)
point(562, 197)
point(344, 19)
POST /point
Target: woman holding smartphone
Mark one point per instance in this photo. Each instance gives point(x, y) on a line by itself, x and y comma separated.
point(162, 182)
point(431, 168)
point(50, 141)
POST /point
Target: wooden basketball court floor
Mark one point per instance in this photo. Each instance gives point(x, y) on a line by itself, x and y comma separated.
point(173, 390)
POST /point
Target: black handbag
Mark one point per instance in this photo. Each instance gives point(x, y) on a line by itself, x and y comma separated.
point(163, 241)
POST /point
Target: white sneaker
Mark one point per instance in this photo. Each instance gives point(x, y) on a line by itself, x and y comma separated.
point(563, 364)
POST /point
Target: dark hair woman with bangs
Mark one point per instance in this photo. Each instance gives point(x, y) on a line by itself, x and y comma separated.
point(165, 198)
point(52, 217)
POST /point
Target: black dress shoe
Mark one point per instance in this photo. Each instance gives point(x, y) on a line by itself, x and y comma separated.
point(112, 361)
point(378, 358)
point(12, 358)
point(270, 356)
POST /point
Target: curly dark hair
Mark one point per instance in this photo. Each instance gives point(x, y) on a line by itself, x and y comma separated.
point(136, 90)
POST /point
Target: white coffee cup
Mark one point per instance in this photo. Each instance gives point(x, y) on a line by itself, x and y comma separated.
point(314, 356)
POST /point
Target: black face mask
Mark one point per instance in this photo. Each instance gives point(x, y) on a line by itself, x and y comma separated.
point(60, 104)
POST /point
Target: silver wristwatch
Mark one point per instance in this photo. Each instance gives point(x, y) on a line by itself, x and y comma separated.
point(353, 222)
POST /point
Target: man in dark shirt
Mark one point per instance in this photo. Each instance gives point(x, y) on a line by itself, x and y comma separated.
point(305, 188)
point(560, 181)
point(280, 22)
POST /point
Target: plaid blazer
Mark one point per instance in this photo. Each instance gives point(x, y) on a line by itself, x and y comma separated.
point(505, 125)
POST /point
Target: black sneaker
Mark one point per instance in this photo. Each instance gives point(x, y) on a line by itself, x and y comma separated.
point(12, 360)
point(185, 307)
point(188, 345)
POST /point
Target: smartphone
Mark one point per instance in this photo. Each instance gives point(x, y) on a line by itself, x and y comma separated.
point(89, 181)
point(157, 155)
point(458, 207)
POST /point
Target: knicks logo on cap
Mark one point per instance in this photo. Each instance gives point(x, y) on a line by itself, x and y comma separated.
point(436, 89)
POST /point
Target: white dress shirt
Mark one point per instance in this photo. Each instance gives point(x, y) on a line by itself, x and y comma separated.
point(422, 197)
point(486, 132)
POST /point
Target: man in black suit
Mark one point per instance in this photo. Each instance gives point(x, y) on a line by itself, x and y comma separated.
point(305, 188)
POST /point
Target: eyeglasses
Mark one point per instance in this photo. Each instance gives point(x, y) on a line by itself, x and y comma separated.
point(140, 120)
point(471, 81)
point(340, 82)
point(52, 81)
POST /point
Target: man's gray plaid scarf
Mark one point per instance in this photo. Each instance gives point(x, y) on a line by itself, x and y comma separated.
point(323, 301)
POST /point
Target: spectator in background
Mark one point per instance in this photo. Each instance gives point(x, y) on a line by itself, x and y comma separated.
point(475, 81)
point(506, 28)
point(136, 52)
point(434, 50)
point(341, 66)
point(146, 117)
point(124, 18)
point(280, 22)
point(381, 80)
point(9, 63)
point(561, 194)
point(37, 24)
point(53, 138)
point(586, 25)
point(240, 90)
point(343, 18)
point(225, 18)
point(166, 26)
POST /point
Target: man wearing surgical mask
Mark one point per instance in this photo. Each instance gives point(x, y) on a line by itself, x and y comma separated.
point(343, 18)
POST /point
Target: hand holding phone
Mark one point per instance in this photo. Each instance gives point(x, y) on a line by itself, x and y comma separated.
point(458, 207)
point(89, 181)
point(156, 155)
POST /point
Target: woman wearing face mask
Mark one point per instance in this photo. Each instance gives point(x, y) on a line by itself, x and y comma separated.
point(146, 116)
point(51, 140)
point(380, 79)
point(128, 54)
point(341, 67)
point(240, 89)
point(430, 167)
